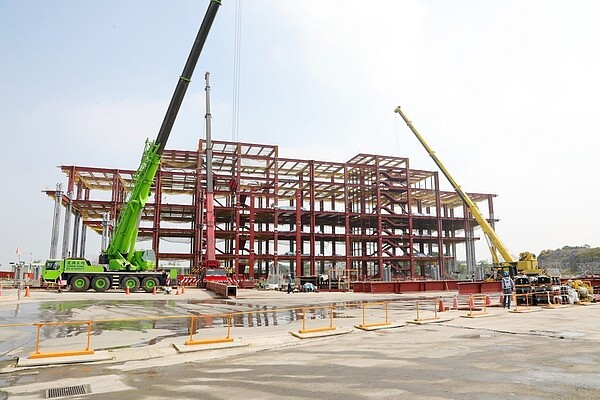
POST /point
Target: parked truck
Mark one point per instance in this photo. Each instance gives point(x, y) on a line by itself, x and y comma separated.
point(121, 265)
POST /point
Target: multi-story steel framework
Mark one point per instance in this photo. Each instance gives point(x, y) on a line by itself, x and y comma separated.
point(372, 217)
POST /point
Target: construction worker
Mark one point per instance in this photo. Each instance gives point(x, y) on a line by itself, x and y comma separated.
point(508, 285)
point(290, 288)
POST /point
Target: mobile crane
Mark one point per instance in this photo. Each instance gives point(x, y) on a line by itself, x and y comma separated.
point(120, 265)
point(527, 261)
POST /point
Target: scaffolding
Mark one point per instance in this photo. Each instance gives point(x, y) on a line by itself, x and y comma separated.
point(372, 217)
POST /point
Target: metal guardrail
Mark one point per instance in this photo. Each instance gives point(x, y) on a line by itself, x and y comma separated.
point(476, 310)
point(435, 311)
point(193, 330)
point(86, 351)
point(318, 329)
point(228, 319)
point(376, 324)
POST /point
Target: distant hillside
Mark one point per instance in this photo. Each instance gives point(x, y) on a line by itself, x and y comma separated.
point(572, 259)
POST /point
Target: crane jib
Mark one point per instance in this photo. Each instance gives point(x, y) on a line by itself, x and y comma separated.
point(121, 253)
point(186, 76)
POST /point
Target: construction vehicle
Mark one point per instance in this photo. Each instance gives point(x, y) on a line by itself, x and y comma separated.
point(527, 262)
point(121, 265)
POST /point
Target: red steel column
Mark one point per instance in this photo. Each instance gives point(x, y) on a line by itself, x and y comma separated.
point(347, 220)
point(198, 203)
point(410, 223)
point(275, 213)
point(251, 239)
point(438, 211)
point(298, 234)
point(156, 223)
point(378, 211)
point(312, 216)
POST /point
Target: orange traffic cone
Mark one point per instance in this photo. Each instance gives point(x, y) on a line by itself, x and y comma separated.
point(127, 290)
point(488, 301)
point(177, 292)
point(471, 302)
point(501, 299)
point(441, 307)
point(27, 294)
point(154, 290)
point(455, 303)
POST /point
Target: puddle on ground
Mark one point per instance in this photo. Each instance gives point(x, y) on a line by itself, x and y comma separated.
point(17, 339)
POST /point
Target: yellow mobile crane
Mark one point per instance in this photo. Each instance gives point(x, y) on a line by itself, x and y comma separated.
point(527, 261)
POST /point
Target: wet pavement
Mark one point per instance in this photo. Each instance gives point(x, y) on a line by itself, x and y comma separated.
point(549, 354)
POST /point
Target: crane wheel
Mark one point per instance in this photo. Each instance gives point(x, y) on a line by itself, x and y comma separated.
point(130, 282)
point(80, 283)
point(149, 283)
point(100, 283)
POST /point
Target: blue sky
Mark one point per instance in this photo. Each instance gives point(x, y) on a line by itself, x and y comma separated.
point(504, 91)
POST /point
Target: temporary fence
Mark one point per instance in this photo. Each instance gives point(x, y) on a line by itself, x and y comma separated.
point(374, 324)
point(420, 317)
point(86, 351)
point(317, 329)
point(478, 304)
point(193, 330)
point(527, 300)
point(426, 310)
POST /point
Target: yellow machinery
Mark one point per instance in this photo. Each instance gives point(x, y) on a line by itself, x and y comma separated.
point(583, 288)
point(527, 261)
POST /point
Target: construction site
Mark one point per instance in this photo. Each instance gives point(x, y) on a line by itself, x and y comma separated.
point(234, 270)
point(372, 217)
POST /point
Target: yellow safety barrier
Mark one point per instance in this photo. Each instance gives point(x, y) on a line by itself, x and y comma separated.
point(477, 311)
point(86, 351)
point(320, 329)
point(555, 301)
point(371, 325)
point(226, 339)
point(528, 302)
point(435, 311)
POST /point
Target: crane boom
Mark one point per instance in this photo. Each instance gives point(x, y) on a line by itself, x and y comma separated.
point(121, 253)
point(527, 261)
point(494, 240)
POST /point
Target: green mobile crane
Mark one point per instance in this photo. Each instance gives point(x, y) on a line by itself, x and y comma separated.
point(121, 265)
point(527, 261)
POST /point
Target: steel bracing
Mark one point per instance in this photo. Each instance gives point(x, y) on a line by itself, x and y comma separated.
point(372, 217)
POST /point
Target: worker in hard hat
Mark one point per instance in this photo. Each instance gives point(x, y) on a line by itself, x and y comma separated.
point(290, 287)
point(508, 286)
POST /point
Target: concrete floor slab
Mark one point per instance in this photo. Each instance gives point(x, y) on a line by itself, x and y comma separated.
point(482, 315)
point(376, 328)
point(524, 310)
point(313, 335)
point(183, 348)
point(430, 321)
point(37, 362)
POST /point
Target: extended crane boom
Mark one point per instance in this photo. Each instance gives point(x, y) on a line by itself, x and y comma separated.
point(527, 261)
point(121, 253)
point(121, 266)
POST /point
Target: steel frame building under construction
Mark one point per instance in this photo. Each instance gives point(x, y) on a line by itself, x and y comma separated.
point(372, 217)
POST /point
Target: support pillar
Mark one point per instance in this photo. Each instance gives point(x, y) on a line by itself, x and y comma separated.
point(56, 221)
point(67, 227)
